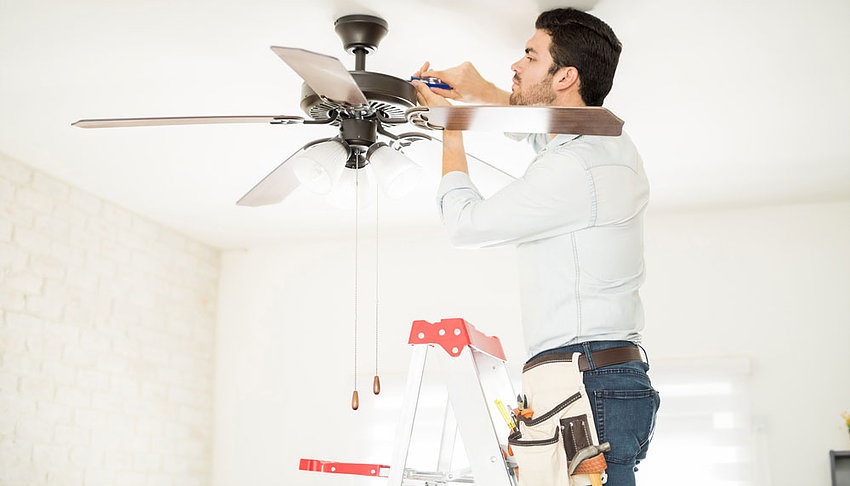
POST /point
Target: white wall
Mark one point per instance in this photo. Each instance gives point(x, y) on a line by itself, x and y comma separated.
point(769, 284)
point(106, 341)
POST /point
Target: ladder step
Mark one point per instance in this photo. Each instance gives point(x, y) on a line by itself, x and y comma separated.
point(316, 465)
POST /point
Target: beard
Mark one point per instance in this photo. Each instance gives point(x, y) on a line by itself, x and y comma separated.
point(538, 94)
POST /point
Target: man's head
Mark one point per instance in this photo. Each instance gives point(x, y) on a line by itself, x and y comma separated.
point(572, 57)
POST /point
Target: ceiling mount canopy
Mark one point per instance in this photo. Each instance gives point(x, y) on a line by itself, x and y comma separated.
point(361, 35)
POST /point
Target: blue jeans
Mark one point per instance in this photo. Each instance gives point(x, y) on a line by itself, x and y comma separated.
point(624, 406)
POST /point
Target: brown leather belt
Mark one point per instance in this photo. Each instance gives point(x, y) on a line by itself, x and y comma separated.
point(601, 358)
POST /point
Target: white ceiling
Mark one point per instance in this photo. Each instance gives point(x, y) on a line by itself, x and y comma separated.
point(730, 102)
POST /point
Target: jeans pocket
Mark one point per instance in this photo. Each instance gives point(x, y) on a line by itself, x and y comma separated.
point(626, 419)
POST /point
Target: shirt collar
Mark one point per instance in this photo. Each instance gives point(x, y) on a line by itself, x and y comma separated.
point(559, 140)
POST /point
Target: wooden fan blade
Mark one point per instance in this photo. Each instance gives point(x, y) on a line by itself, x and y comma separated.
point(274, 187)
point(591, 120)
point(184, 120)
point(324, 74)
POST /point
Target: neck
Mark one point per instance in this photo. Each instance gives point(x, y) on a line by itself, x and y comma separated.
point(567, 98)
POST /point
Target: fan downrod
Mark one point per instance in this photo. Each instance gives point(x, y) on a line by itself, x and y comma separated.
point(360, 36)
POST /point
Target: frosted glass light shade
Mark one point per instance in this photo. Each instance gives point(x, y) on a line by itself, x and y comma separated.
point(342, 195)
point(320, 165)
point(397, 175)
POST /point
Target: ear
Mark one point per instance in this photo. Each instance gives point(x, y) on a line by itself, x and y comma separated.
point(565, 78)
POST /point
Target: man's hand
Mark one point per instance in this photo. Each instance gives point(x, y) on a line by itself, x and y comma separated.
point(427, 97)
point(467, 85)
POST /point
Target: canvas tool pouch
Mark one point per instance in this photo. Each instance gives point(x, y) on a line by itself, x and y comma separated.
point(562, 423)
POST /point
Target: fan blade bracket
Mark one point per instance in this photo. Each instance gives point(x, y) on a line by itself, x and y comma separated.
point(406, 139)
point(418, 116)
point(385, 120)
point(345, 105)
point(297, 120)
point(288, 120)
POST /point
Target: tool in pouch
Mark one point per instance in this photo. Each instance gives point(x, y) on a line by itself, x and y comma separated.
point(557, 445)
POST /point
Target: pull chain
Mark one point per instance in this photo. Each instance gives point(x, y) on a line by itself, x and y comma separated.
point(376, 383)
point(355, 399)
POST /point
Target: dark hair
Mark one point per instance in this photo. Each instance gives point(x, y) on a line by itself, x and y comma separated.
point(586, 43)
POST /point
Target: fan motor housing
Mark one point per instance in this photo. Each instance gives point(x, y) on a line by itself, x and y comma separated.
point(390, 95)
point(357, 131)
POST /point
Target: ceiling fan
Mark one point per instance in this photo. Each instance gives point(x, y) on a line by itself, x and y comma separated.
point(364, 105)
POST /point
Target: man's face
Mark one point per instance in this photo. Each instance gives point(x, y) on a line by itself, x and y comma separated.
point(533, 85)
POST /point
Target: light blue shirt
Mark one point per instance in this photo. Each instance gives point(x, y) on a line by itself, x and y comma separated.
point(576, 218)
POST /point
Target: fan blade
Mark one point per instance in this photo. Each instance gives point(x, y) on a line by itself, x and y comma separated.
point(591, 120)
point(184, 120)
point(324, 74)
point(274, 187)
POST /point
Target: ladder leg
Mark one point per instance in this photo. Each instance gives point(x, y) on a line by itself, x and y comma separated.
point(472, 409)
point(447, 441)
point(408, 415)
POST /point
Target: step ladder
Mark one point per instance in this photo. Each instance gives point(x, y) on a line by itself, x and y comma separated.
point(472, 366)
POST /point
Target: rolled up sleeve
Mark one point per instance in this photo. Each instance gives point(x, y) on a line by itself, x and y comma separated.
point(555, 196)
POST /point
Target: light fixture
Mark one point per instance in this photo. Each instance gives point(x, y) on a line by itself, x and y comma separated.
point(397, 175)
point(323, 165)
point(319, 165)
point(342, 194)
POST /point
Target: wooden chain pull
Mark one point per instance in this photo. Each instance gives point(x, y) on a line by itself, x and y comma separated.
point(376, 383)
point(355, 398)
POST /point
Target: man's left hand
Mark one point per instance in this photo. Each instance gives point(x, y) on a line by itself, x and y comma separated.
point(426, 97)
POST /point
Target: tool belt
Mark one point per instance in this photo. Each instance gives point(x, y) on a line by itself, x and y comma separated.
point(562, 423)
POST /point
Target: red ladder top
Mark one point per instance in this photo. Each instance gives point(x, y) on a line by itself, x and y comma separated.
point(453, 335)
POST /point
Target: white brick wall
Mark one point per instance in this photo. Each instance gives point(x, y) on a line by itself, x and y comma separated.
point(107, 325)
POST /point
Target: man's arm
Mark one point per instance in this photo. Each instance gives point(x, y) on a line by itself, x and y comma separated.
point(555, 196)
point(454, 156)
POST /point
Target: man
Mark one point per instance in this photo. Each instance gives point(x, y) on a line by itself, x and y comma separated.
point(576, 218)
